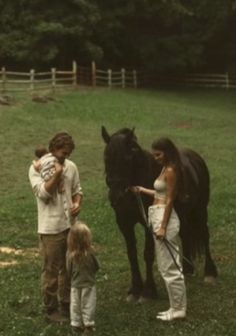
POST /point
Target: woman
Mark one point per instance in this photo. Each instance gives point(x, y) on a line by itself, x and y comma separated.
point(165, 224)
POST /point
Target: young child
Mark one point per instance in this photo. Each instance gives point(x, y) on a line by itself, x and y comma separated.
point(44, 164)
point(39, 152)
point(82, 266)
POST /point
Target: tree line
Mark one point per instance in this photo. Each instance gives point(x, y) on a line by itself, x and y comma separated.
point(154, 35)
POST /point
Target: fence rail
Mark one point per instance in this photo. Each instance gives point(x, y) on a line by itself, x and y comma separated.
point(203, 80)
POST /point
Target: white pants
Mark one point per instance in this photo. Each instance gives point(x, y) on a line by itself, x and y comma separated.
point(173, 278)
point(82, 306)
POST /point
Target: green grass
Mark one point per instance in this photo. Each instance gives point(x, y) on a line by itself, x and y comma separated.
point(204, 120)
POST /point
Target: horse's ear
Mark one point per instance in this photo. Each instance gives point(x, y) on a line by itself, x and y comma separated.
point(105, 135)
point(133, 134)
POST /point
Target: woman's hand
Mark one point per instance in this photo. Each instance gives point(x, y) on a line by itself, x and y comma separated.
point(136, 189)
point(160, 233)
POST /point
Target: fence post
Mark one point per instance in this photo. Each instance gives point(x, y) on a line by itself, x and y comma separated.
point(227, 80)
point(109, 74)
point(53, 70)
point(123, 78)
point(135, 78)
point(74, 71)
point(32, 73)
point(94, 82)
point(4, 80)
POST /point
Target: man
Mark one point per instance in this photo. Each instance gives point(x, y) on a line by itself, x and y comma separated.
point(56, 211)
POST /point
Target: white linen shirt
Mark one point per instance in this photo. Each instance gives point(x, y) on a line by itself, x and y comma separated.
point(54, 210)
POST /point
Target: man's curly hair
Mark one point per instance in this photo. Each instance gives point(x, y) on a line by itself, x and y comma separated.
point(61, 140)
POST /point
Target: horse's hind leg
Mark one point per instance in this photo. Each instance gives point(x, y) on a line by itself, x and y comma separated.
point(136, 279)
point(210, 270)
point(185, 235)
point(149, 289)
point(188, 268)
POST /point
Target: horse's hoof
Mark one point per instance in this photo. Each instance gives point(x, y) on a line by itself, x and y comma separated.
point(131, 298)
point(210, 280)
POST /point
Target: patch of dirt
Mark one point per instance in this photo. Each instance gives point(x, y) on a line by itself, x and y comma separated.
point(29, 253)
point(4, 264)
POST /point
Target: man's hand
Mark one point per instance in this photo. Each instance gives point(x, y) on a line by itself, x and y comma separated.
point(75, 209)
point(58, 168)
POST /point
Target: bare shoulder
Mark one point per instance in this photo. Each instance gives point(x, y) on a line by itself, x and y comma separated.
point(170, 170)
point(170, 173)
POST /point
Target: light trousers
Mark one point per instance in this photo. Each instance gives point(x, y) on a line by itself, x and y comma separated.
point(83, 306)
point(173, 278)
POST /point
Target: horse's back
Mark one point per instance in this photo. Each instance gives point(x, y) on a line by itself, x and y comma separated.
point(197, 174)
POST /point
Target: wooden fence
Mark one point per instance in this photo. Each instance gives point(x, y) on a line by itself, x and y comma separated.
point(201, 80)
point(120, 78)
point(91, 76)
point(131, 78)
point(211, 80)
point(11, 81)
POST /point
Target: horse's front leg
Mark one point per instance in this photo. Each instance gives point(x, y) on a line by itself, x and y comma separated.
point(149, 289)
point(136, 288)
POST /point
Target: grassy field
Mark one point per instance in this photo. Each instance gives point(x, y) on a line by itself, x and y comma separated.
point(202, 120)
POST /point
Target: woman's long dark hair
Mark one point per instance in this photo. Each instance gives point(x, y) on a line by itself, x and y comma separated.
point(172, 157)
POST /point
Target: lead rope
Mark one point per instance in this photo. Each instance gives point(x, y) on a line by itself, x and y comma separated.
point(167, 243)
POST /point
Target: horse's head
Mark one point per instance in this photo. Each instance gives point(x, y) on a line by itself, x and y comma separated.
point(120, 158)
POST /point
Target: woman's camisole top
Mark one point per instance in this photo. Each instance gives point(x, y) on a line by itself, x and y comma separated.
point(160, 188)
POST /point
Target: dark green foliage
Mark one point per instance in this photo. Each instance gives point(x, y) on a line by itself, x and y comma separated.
point(157, 35)
point(39, 32)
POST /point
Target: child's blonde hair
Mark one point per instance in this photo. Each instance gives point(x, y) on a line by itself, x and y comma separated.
point(79, 241)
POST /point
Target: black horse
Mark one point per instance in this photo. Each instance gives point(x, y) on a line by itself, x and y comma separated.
point(127, 164)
